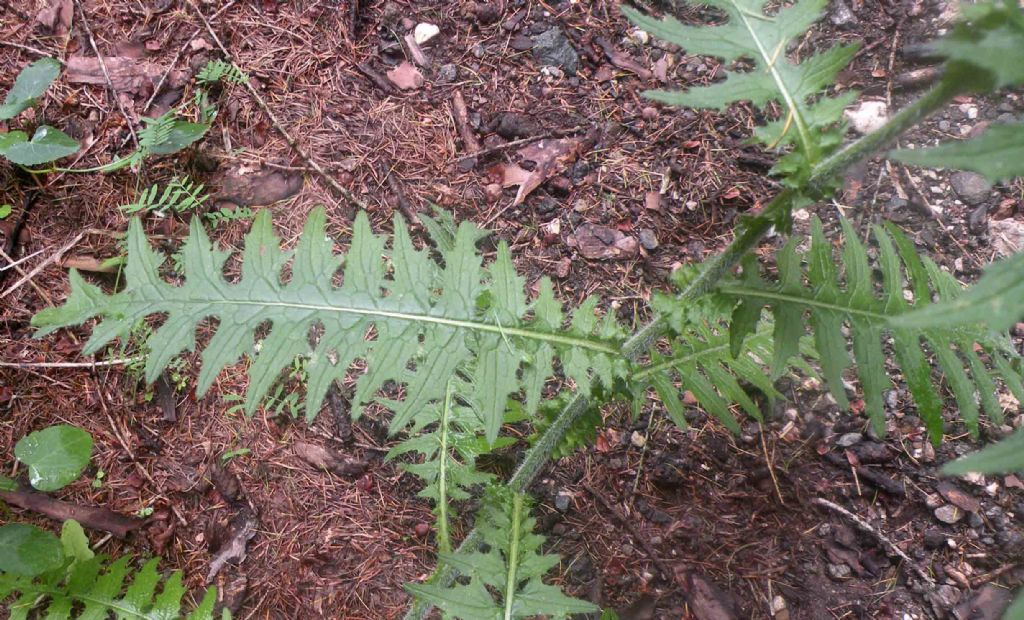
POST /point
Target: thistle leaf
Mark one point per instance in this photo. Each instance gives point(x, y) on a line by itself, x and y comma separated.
point(998, 153)
point(997, 300)
point(750, 33)
point(95, 587)
point(1003, 457)
point(413, 320)
point(512, 567)
point(987, 47)
point(849, 301)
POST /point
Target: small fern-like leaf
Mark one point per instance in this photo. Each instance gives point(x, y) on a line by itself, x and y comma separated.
point(849, 303)
point(218, 70)
point(511, 567)
point(97, 587)
point(413, 320)
point(750, 33)
point(179, 195)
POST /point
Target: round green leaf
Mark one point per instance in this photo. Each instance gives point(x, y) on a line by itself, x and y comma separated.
point(31, 83)
point(55, 456)
point(47, 144)
point(29, 551)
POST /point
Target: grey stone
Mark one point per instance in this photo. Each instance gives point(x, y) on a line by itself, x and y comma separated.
point(848, 439)
point(648, 239)
point(971, 187)
point(562, 502)
point(841, 14)
point(975, 520)
point(552, 48)
point(948, 513)
point(944, 125)
point(447, 74)
point(839, 571)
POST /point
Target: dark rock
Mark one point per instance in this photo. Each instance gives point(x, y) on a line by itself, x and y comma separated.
point(977, 220)
point(521, 43)
point(552, 48)
point(512, 126)
point(873, 452)
point(447, 73)
point(648, 239)
point(487, 12)
point(971, 187)
point(934, 539)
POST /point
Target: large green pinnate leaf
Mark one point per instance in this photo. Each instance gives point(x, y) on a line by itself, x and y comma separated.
point(998, 153)
point(511, 567)
point(47, 144)
point(844, 308)
point(55, 455)
point(987, 46)
point(1003, 457)
point(997, 300)
point(414, 320)
point(750, 33)
point(95, 587)
point(30, 84)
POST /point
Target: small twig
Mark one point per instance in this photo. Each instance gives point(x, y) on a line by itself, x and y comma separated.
point(461, 114)
point(32, 50)
point(347, 195)
point(378, 80)
point(23, 273)
point(387, 170)
point(43, 264)
point(663, 567)
point(106, 75)
point(869, 529)
point(92, 517)
point(12, 239)
point(771, 466)
point(514, 144)
point(993, 574)
point(123, 361)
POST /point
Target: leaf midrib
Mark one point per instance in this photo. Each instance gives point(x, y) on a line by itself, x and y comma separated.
point(769, 61)
point(746, 291)
point(600, 346)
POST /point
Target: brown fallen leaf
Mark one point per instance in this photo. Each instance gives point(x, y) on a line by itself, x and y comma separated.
point(129, 75)
point(662, 66)
point(89, 263)
point(954, 495)
point(325, 458)
point(406, 76)
point(622, 60)
point(56, 16)
point(247, 187)
point(603, 243)
point(549, 156)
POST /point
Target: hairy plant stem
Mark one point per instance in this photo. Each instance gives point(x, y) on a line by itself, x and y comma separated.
point(748, 236)
point(513, 554)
